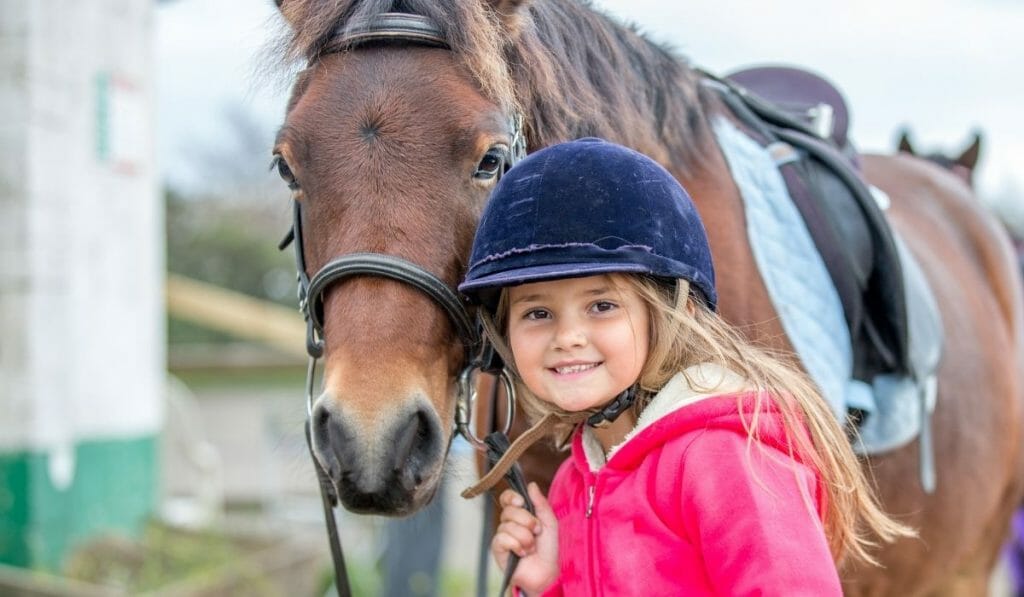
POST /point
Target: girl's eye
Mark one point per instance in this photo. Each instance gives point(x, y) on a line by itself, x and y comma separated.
point(603, 306)
point(536, 314)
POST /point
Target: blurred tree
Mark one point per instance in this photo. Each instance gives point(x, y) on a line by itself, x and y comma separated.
point(226, 231)
point(232, 245)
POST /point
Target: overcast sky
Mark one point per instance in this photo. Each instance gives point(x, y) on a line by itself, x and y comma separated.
point(942, 67)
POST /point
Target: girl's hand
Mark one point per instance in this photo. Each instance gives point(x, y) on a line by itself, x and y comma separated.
point(533, 539)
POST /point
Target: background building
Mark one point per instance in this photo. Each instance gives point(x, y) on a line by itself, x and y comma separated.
point(81, 275)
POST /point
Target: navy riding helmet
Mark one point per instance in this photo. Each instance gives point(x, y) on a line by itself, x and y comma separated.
point(582, 208)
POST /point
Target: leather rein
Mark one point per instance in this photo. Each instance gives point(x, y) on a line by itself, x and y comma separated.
point(411, 30)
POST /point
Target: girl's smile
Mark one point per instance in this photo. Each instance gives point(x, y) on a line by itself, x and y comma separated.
point(578, 342)
point(574, 368)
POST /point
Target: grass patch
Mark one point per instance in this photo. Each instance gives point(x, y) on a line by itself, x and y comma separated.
point(293, 378)
point(192, 562)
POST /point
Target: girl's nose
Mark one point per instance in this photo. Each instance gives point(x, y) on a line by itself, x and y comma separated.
point(570, 334)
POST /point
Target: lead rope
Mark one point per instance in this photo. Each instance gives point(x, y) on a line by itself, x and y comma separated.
point(497, 447)
point(510, 454)
point(488, 513)
point(502, 459)
point(328, 499)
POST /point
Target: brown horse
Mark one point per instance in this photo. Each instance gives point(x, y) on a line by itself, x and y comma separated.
point(393, 146)
point(962, 165)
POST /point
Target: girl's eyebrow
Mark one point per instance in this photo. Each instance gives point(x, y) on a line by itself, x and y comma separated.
point(529, 298)
point(538, 296)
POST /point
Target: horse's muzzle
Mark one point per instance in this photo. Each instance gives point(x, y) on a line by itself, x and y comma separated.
point(390, 473)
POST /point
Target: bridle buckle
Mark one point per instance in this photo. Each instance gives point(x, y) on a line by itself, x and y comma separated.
point(466, 400)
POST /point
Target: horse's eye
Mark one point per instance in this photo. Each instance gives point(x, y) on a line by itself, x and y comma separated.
point(491, 164)
point(285, 172)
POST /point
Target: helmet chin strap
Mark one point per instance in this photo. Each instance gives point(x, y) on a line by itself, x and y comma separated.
point(541, 429)
point(613, 409)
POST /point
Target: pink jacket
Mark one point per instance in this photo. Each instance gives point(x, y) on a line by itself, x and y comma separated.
point(686, 507)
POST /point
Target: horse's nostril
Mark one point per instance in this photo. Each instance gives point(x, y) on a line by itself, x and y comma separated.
point(331, 443)
point(407, 438)
point(321, 426)
point(413, 444)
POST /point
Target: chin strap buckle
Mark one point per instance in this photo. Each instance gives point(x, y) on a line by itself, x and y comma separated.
point(616, 407)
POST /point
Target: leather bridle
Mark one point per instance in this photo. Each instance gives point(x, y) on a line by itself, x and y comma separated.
point(411, 30)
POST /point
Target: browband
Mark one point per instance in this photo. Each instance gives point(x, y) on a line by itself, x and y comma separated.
point(388, 26)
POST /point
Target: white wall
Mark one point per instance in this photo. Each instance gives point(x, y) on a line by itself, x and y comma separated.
point(81, 227)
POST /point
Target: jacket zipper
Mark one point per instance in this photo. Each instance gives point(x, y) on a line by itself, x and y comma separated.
point(592, 538)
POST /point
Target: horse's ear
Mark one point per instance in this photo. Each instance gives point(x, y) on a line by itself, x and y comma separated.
point(904, 143)
point(969, 158)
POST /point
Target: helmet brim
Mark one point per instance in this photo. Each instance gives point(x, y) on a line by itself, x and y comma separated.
point(483, 288)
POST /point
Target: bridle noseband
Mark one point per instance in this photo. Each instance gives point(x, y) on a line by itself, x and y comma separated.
point(396, 268)
point(420, 31)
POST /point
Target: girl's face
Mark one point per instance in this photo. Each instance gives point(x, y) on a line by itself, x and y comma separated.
point(578, 342)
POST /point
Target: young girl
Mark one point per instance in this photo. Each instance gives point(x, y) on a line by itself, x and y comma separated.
point(699, 464)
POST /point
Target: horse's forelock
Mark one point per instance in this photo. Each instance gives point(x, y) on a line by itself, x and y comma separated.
point(472, 30)
point(572, 70)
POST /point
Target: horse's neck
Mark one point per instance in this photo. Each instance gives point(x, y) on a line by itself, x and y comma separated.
point(670, 124)
point(652, 102)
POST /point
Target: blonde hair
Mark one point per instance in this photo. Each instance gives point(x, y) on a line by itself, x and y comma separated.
point(685, 332)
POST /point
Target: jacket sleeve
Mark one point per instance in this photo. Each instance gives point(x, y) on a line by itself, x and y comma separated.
point(753, 511)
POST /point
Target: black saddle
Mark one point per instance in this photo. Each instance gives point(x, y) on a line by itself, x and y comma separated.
point(791, 109)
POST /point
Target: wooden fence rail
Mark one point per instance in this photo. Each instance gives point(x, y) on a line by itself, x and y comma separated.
point(237, 314)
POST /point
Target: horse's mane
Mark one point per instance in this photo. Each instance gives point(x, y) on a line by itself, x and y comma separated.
point(572, 70)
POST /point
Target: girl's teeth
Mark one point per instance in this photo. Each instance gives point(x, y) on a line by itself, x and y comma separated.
point(574, 369)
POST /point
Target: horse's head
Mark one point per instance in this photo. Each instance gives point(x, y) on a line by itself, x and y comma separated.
point(395, 134)
point(962, 165)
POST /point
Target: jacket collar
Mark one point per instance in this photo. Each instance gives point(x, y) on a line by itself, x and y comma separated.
point(687, 387)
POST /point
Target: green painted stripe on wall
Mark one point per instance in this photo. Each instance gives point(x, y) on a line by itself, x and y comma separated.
point(115, 488)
